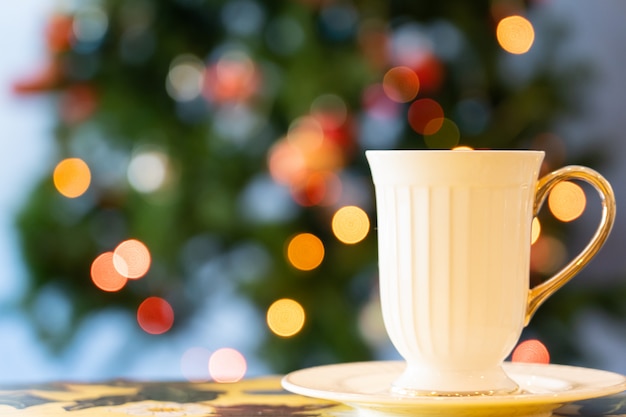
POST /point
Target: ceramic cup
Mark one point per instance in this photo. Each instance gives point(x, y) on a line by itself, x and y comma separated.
point(454, 238)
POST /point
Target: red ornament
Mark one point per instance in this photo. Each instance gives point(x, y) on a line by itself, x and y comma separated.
point(60, 33)
point(46, 78)
point(78, 103)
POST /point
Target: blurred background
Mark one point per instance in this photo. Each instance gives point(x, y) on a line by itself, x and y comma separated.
point(184, 191)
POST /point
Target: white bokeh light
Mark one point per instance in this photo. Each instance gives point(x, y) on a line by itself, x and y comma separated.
point(185, 78)
point(148, 171)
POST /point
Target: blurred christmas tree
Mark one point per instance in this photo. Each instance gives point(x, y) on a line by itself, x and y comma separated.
point(225, 136)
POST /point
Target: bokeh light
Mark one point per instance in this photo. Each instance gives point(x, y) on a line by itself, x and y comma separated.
point(148, 171)
point(535, 230)
point(531, 351)
point(155, 315)
point(330, 110)
point(284, 35)
point(446, 134)
point(227, 365)
point(401, 84)
point(194, 364)
point(185, 79)
point(104, 275)
point(305, 251)
point(515, 34)
point(306, 132)
point(286, 162)
point(425, 116)
point(567, 201)
point(547, 255)
point(72, 177)
point(90, 25)
point(321, 188)
point(132, 259)
point(234, 77)
point(350, 224)
point(285, 317)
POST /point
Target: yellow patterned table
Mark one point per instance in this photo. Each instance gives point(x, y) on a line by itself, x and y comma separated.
point(249, 398)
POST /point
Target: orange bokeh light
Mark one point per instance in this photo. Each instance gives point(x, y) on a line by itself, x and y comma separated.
point(132, 259)
point(305, 251)
point(425, 116)
point(227, 365)
point(104, 275)
point(567, 201)
point(531, 351)
point(286, 162)
point(350, 224)
point(401, 84)
point(515, 34)
point(155, 315)
point(285, 317)
point(72, 177)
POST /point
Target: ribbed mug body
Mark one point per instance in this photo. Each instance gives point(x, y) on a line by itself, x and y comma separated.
point(454, 246)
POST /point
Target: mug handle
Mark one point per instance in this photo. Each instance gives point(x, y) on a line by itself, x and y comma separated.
point(541, 292)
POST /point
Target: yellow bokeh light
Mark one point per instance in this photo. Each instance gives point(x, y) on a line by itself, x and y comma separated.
point(515, 34)
point(285, 317)
point(305, 251)
point(72, 177)
point(350, 224)
point(567, 201)
point(462, 148)
point(401, 84)
point(446, 134)
point(535, 230)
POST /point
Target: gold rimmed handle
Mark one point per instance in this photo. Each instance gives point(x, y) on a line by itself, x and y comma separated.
point(541, 292)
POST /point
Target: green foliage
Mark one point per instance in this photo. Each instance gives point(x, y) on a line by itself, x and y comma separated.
point(218, 148)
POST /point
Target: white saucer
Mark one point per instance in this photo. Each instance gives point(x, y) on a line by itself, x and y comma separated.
point(365, 386)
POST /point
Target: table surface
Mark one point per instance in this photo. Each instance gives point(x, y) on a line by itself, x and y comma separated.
point(248, 398)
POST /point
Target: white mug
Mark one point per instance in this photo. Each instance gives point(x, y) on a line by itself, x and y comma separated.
point(454, 237)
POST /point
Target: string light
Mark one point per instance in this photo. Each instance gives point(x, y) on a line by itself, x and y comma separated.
point(285, 317)
point(425, 116)
point(155, 315)
point(567, 201)
point(132, 259)
point(227, 365)
point(104, 274)
point(194, 364)
point(515, 34)
point(445, 134)
point(401, 84)
point(535, 230)
point(350, 224)
point(72, 177)
point(305, 251)
point(531, 351)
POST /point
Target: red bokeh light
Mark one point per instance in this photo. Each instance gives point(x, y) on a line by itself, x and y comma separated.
point(155, 315)
point(425, 116)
